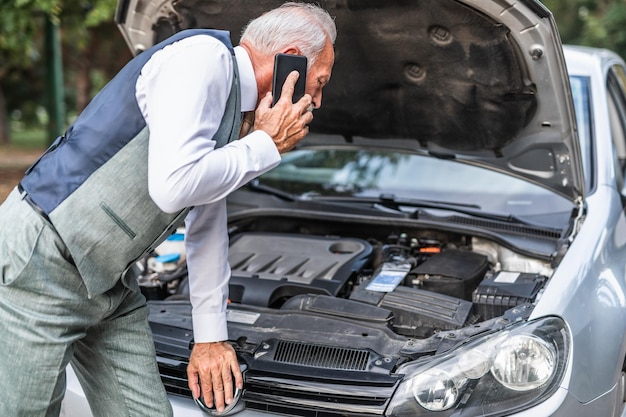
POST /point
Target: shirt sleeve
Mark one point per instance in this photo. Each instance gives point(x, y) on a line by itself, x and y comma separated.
point(182, 92)
point(209, 272)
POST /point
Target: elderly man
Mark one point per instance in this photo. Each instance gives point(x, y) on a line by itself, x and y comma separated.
point(156, 147)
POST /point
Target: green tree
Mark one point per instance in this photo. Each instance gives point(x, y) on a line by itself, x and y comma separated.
point(597, 23)
point(19, 45)
point(85, 26)
point(94, 50)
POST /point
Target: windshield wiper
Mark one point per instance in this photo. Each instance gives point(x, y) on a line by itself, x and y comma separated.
point(255, 185)
point(391, 201)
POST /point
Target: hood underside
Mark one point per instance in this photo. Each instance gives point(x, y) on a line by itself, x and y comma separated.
point(476, 80)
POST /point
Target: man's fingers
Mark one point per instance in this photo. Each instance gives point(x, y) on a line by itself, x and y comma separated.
point(266, 102)
point(227, 379)
point(289, 86)
point(236, 372)
point(307, 117)
point(194, 386)
point(305, 104)
point(218, 391)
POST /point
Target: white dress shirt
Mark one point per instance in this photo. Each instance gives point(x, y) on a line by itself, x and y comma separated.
point(182, 93)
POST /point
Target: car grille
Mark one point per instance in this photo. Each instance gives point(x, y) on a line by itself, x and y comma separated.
point(322, 356)
point(304, 380)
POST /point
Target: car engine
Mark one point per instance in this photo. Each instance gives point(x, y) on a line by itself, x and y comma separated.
point(343, 298)
point(418, 283)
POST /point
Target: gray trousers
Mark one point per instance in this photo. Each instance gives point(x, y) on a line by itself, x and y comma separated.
point(47, 321)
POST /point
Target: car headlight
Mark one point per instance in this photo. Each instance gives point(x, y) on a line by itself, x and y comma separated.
point(498, 374)
point(524, 362)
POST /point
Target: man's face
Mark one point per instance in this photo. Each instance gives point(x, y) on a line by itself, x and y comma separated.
point(319, 74)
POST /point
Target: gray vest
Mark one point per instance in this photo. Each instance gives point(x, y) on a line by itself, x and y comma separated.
point(108, 220)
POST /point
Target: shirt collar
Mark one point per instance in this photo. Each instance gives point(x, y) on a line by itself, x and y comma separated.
point(247, 80)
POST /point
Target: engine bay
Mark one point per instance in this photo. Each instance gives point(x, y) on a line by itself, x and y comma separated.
point(417, 282)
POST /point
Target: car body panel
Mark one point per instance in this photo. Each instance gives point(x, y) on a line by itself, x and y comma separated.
point(595, 252)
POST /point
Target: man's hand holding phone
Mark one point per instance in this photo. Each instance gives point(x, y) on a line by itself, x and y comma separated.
point(283, 119)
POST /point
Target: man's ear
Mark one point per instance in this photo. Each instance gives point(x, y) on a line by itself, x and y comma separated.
point(294, 50)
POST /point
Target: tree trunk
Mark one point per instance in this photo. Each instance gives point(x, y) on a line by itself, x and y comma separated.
point(4, 120)
point(83, 81)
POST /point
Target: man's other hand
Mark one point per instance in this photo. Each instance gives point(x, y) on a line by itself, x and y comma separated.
point(211, 369)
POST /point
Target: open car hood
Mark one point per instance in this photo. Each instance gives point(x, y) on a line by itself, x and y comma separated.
point(483, 81)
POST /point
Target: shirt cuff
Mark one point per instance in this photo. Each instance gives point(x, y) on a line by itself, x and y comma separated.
point(209, 328)
point(263, 146)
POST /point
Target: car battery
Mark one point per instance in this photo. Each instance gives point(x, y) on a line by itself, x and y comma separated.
point(451, 272)
point(505, 290)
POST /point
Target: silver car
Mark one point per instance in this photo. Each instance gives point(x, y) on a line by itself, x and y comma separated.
point(450, 239)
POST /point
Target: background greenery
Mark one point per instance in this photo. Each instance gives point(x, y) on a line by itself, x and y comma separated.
point(93, 51)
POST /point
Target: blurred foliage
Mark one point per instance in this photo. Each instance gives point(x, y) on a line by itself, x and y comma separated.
point(92, 49)
point(21, 23)
point(26, 139)
point(598, 23)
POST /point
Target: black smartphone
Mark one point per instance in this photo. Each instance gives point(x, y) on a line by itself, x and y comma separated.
point(283, 65)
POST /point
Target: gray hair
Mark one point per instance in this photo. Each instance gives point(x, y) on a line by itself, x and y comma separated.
point(302, 24)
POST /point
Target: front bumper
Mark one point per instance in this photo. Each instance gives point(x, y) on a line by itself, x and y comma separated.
point(561, 404)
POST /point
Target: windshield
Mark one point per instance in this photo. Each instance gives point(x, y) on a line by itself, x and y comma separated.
point(360, 172)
